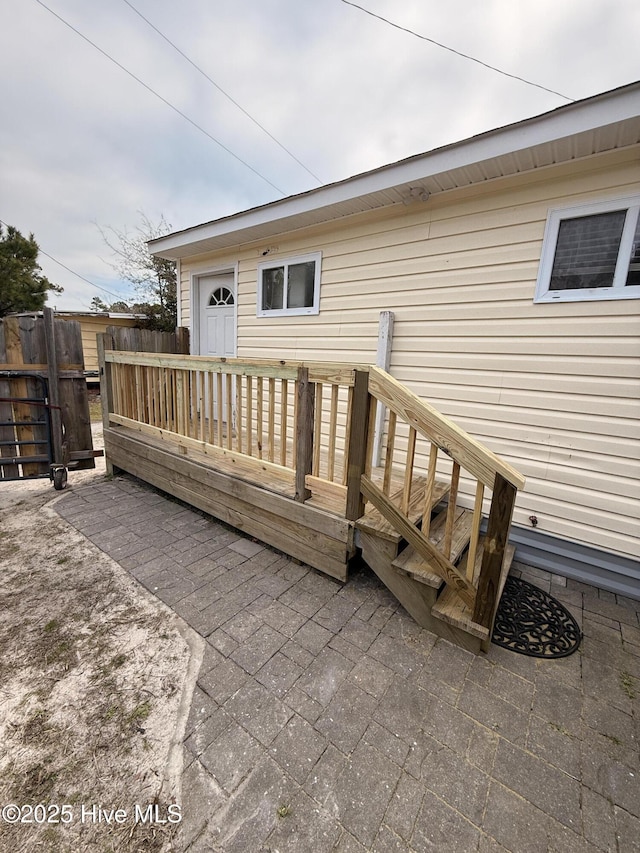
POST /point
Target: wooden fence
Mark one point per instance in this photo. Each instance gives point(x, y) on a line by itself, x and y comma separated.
point(129, 339)
point(43, 346)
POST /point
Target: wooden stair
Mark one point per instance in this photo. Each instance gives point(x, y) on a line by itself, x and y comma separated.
point(455, 613)
point(421, 590)
point(375, 523)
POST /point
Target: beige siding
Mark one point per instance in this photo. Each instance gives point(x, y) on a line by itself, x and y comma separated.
point(554, 388)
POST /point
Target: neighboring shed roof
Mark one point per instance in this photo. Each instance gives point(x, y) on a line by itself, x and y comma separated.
point(99, 315)
point(600, 123)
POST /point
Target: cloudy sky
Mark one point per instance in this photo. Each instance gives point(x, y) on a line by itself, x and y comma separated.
point(83, 144)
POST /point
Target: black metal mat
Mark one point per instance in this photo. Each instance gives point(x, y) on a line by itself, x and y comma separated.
point(531, 622)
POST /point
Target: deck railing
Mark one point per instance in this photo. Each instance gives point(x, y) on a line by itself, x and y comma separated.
point(308, 429)
point(288, 422)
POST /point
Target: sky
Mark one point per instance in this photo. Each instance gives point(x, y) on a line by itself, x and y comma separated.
point(85, 147)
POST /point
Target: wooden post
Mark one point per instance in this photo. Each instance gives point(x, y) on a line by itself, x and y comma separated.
point(503, 500)
point(304, 433)
point(182, 340)
point(6, 414)
point(475, 530)
point(383, 360)
point(105, 341)
point(358, 430)
point(54, 387)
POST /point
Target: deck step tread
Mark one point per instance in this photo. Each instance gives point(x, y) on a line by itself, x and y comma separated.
point(375, 523)
point(414, 564)
point(462, 525)
point(417, 568)
point(450, 608)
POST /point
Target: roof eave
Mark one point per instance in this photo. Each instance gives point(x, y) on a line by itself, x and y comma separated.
point(362, 192)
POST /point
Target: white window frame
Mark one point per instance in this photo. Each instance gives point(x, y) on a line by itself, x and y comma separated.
point(286, 262)
point(618, 290)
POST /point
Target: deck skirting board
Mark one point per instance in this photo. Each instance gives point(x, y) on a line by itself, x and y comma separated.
point(305, 533)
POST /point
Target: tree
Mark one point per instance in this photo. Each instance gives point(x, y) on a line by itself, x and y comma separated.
point(99, 305)
point(22, 285)
point(121, 308)
point(153, 278)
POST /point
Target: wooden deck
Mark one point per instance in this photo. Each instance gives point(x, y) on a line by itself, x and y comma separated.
point(253, 498)
point(266, 510)
point(284, 452)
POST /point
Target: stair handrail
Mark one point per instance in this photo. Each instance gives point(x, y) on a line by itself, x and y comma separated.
point(436, 427)
point(467, 453)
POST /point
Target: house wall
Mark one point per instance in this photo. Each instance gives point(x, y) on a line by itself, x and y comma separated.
point(553, 388)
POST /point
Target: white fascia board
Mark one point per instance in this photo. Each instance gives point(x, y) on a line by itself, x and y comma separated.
point(569, 120)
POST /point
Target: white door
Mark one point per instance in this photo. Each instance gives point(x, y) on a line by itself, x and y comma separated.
point(217, 325)
point(217, 315)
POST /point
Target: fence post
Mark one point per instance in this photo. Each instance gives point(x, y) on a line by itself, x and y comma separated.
point(304, 434)
point(358, 443)
point(54, 387)
point(495, 542)
point(182, 340)
point(105, 341)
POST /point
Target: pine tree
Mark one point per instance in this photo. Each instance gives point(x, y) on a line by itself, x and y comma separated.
point(22, 285)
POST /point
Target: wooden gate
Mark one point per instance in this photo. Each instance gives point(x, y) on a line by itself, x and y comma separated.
point(44, 346)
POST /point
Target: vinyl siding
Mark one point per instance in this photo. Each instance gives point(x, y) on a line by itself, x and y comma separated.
point(553, 388)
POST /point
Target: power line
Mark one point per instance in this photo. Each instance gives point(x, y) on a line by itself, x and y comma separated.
point(160, 97)
point(220, 89)
point(73, 272)
point(457, 52)
point(118, 296)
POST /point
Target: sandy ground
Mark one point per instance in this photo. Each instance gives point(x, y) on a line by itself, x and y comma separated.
point(95, 685)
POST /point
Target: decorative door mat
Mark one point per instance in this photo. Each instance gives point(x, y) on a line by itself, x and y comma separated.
point(531, 622)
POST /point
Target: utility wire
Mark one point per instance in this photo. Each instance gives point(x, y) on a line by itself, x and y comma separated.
point(164, 100)
point(457, 52)
point(220, 89)
point(73, 272)
point(118, 296)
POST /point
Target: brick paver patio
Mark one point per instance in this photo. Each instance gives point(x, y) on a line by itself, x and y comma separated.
point(324, 719)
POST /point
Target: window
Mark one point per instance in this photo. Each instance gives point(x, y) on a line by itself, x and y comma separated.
point(221, 296)
point(591, 252)
point(289, 287)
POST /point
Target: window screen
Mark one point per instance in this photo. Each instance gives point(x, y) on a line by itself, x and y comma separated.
point(587, 251)
point(591, 252)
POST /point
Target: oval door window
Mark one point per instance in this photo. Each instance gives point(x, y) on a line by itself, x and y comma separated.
point(221, 296)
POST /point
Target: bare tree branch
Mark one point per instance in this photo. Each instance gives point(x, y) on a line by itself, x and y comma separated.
point(153, 278)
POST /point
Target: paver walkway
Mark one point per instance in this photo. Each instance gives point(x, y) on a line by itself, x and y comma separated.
point(324, 719)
